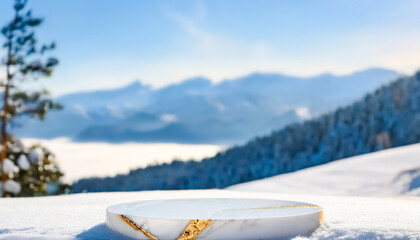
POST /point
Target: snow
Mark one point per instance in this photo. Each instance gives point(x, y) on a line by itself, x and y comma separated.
point(9, 167)
point(303, 112)
point(82, 216)
point(36, 155)
point(390, 172)
point(23, 162)
point(12, 186)
point(94, 159)
point(366, 197)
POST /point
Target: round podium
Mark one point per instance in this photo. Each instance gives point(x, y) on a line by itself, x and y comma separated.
point(214, 218)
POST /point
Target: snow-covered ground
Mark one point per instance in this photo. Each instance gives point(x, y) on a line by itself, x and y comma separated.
point(82, 216)
point(376, 201)
point(390, 172)
point(92, 159)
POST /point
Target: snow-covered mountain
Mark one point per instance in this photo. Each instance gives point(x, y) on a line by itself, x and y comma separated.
point(197, 111)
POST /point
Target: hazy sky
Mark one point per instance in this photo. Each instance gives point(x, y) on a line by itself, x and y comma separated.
point(108, 43)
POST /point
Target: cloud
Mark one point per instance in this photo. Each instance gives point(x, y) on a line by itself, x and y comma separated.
point(214, 45)
point(204, 40)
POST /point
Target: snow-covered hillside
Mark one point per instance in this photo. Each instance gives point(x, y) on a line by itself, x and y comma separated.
point(356, 215)
point(386, 173)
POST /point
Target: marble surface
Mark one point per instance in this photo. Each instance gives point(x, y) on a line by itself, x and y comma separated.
point(231, 218)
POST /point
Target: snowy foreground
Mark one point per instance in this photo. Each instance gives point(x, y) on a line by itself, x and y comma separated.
point(82, 216)
point(374, 196)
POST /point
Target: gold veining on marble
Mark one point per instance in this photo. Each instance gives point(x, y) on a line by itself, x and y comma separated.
point(282, 207)
point(137, 227)
point(194, 228)
point(321, 217)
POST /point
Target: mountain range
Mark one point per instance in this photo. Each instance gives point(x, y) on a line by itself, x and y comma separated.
point(385, 118)
point(199, 111)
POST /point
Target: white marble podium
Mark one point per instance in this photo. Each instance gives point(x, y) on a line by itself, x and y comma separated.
point(214, 218)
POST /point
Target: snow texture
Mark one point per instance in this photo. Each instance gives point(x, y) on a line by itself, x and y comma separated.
point(82, 216)
point(9, 167)
point(12, 186)
point(23, 162)
point(36, 155)
point(376, 213)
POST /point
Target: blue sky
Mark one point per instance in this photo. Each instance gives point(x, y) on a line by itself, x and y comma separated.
point(105, 43)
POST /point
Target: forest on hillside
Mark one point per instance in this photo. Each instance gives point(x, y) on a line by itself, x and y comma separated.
point(388, 117)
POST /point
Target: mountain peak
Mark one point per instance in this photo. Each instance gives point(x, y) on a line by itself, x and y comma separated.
point(191, 83)
point(136, 84)
point(368, 71)
point(375, 71)
point(197, 82)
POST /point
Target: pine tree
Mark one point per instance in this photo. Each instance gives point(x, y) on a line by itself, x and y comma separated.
point(25, 172)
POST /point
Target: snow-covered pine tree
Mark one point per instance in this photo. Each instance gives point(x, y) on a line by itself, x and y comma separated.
point(25, 172)
point(31, 171)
